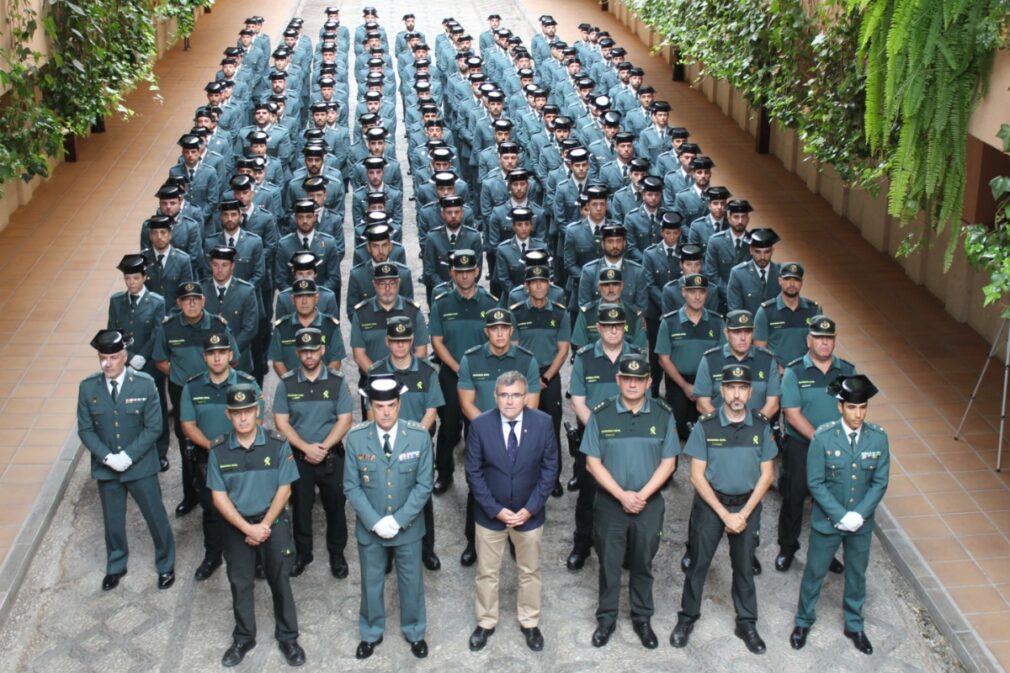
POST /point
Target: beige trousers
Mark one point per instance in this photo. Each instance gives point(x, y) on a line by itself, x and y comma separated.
point(490, 546)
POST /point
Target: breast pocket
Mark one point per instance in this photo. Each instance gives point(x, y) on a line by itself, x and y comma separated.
point(834, 467)
point(869, 468)
point(408, 467)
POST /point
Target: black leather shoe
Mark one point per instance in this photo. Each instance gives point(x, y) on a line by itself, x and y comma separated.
point(419, 648)
point(783, 562)
point(558, 489)
point(860, 640)
point(534, 639)
point(185, 507)
point(259, 571)
point(338, 566)
point(685, 562)
point(301, 562)
point(798, 638)
point(601, 636)
point(366, 648)
point(468, 557)
point(441, 486)
point(646, 634)
point(165, 580)
point(206, 569)
point(836, 566)
point(756, 565)
point(430, 560)
point(164, 464)
point(573, 484)
point(681, 633)
point(111, 581)
point(577, 558)
point(751, 639)
point(292, 651)
point(478, 639)
point(234, 655)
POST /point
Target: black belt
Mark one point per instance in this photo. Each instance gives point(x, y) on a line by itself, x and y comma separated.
point(605, 493)
point(733, 500)
point(256, 518)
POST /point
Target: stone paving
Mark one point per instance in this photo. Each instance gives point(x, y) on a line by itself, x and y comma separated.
point(62, 621)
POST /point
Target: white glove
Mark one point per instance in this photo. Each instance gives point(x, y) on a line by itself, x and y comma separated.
point(852, 521)
point(118, 461)
point(386, 528)
point(138, 362)
point(391, 524)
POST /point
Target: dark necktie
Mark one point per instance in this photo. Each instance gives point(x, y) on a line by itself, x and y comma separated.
point(133, 301)
point(386, 448)
point(852, 439)
point(624, 171)
point(305, 242)
point(452, 240)
point(522, 249)
point(764, 278)
point(161, 261)
point(231, 241)
point(512, 448)
point(652, 222)
point(115, 394)
point(220, 293)
point(192, 174)
point(738, 245)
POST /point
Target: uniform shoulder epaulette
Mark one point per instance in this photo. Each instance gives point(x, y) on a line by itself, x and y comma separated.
point(335, 319)
point(357, 427)
point(413, 303)
point(244, 376)
point(167, 318)
point(601, 405)
point(524, 350)
point(276, 435)
point(374, 365)
point(221, 318)
point(877, 428)
point(413, 425)
point(218, 441)
point(439, 296)
point(243, 281)
point(764, 350)
point(769, 302)
point(669, 314)
point(795, 362)
point(587, 347)
point(828, 425)
point(513, 307)
point(194, 377)
point(473, 349)
point(662, 404)
point(707, 417)
point(94, 376)
point(633, 263)
point(848, 363)
point(117, 295)
point(278, 321)
point(361, 303)
point(288, 374)
point(359, 264)
point(712, 350)
point(585, 308)
point(559, 305)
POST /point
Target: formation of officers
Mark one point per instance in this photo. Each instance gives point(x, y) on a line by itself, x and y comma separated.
point(552, 172)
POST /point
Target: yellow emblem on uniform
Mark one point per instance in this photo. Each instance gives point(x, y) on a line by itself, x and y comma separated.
point(400, 328)
point(652, 430)
point(240, 396)
point(306, 338)
point(737, 371)
point(824, 324)
point(698, 280)
point(711, 334)
point(266, 461)
point(326, 394)
point(633, 365)
point(420, 385)
point(554, 323)
point(744, 319)
point(761, 375)
point(215, 338)
point(757, 440)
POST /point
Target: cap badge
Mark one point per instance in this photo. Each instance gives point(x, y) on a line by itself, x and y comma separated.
point(240, 397)
point(401, 328)
point(698, 280)
point(190, 287)
point(215, 339)
point(306, 338)
point(744, 319)
point(612, 313)
point(824, 324)
point(737, 371)
point(633, 365)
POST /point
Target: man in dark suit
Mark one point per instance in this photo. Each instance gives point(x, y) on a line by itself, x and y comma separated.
point(511, 467)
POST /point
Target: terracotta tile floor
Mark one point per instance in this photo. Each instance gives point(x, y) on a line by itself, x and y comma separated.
point(59, 253)
point(944, 492)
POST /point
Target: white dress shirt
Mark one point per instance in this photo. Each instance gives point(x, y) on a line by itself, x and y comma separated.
point(506, 427)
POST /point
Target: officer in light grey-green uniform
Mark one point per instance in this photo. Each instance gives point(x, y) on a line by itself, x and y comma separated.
point(848, 468)
point(631, 447)
point(387, 480)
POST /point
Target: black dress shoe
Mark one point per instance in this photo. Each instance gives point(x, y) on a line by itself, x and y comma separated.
point(234, 655)
point(366, 648)
point(338, 566)
point(836, 566)
point(685, 562)
point(601, 636)
point(798, 638)
point(292, 651)
point(534, 639)
point(468, 557)
point(301, 562)
point(430, 560)
point(646, 634)
point(419, 648)
point(206, 569)
point(259, 571)
point(559, 490)
point(751, 639)
point(783, 562)
point(577, 558)
point(165, 580)
point(573, 484)
point(164, 464)
point(681, 633)
point(185, 507)
point(441, 486)
point(756, 565)
point(860, 640)
point(478, 639)
point(111, 581)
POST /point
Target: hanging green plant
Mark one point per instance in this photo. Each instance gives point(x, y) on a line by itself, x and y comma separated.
point(183, 11)
point(988, 247)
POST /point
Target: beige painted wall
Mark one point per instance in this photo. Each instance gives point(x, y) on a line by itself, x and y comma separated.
point(994, 109)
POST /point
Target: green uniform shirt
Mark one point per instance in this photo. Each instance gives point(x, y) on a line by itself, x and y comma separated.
point(282, 340)
point(368, 325)
point(586, 331)
point(733, 452)
point(542, 329)
point(804, 386)
point(181, 344)
point(251, 476)
point(480, 368)
point(421, 380)
point(594, 376)
point(459, 321)
point(766, 380)
point(203, 402)
point(313, 406)
point(686, 342)
point(631, 445)
point(785, 330)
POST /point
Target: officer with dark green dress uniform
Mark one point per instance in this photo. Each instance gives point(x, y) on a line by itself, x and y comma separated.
point(848, 468)
point(419, 402)
point(782, 322)
point(250, 471)
point(754, 281)
point(594, 379)
point(457, 324)
point(203, 420)
point(137, 312)
point(806, 406)
point(118, 421)
point(544, 328)
point(732, 453)
point(312, 409)
point(387, 479)
point(662, 265)
point(282, 342)
point(479, 369)
point(178, 354)
point(631, 447)
point(610, 285)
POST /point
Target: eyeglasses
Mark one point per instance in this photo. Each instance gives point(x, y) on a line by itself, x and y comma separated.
point(511, 397)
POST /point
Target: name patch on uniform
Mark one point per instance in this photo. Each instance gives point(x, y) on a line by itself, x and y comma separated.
point(610, 432)
point(408, 455)
point(229, 466)
point(176, 342)
point(201, 400)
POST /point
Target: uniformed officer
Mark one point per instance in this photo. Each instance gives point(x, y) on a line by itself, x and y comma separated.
point(312, 409)
point(848, 468)
point(479, 369)
point(118, 421)
point(137, 312)
point(303, 266)
point(509, 268)
point(806, 406)
point(731, 452)
point(234, 299)
point(379, 248)
point(451, 236)
point(614, 256)
point(282, 343)
point(387, 479)
point(178, 354)
point(684, 337)
point(544, 329)
point(728, 247)
point(594, 379)
point(168, 266)
point(457, 324)
point(610, 287)
point(662, 265)
point(630, 446)
point(250, 471)
point(753, 282)
point(782, 322)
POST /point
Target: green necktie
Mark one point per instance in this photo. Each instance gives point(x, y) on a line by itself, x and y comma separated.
point(115, 393)
point(386, 448)
point(852, 439)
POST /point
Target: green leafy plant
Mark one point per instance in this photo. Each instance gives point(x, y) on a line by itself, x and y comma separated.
point(183, 12)
point(988, 247)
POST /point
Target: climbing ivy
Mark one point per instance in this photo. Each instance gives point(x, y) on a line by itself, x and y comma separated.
point(183, 11)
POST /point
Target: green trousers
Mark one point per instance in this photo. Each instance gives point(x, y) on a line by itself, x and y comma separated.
point(410, 581)
point(856, 555)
